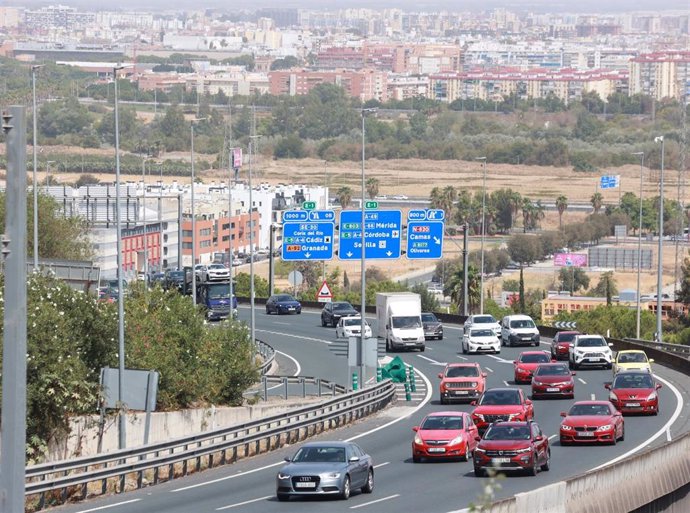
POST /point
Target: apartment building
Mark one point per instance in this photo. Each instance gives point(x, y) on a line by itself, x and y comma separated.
point(365, 84)
point(661, 75)
point(57, 16)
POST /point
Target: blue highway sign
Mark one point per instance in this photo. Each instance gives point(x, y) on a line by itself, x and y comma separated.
point(425, 234)
point(311, 237)
point(295, 215)
point(609, 182)
point(382, 231)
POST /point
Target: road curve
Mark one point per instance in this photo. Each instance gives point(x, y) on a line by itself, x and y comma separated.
point(401, 485)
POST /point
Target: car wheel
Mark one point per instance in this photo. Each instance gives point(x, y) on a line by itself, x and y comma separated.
point(323, 322)
point(622, 438)
point(615, 438)
point(478, 471)
point(443, 400)
point(388, 346)
point(547, 464)
point(345, 492)
point(536, 343)
point(563, 442)
point(534, 470)
point(498, 351)
point(369, 486)
point(468, 453)
point(464, 349)
point(416, 459)
point(283, 497)
point(268, 312)
point(421, 350)
point(441, 337)
point(333, 323)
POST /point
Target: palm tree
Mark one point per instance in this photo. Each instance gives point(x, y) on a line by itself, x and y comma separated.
point(597, 201)
point(561, 205)
point(527, 214)
point(435, 198)
point(454, 288)
point(344, 195)
point(448, 197)
point(372, 187)
point(515, 204)
point(538, 214)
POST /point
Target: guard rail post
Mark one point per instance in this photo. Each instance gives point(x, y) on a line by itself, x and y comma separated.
point(285, 383)
point(265, 383)
point(304, 387)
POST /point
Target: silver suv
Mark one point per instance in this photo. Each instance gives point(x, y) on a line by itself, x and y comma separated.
point(592, 350)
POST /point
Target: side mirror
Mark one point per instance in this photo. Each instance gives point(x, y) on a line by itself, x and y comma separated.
point(610, 344)
point(484, 374)
point(658, 386)
point(570, 344)
point(573, 373)
point(287, 458)
point(651, 360)
point(354, 459)
point(515, 362)
point(388, 326)
point(473, 403)
point(528, 402)
point(607, 386)
point(553, 360)
point(564, 414)
point(540, 438)
point(440, 375)
point(415, 429)
point(478, 438)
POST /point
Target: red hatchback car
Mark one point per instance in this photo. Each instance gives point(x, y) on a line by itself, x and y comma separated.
point(634, 392)
point(444, 434)
point(592, 421)
point(561, 344)
point(501, 404)
point(461, 382)
point(553, 379)
point(526, 363)
point(513, 446)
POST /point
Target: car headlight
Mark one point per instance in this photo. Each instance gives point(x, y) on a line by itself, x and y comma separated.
point(333, 475)
point(455, 441)
point(652, 397)
point(418, 440)
point(283, 476)
point(514, 416)
point(605, 427)
point(477, 449)
point(478, 416)
point(613, 397)
point(535, 382)
point(526, 449)
point(472, 384)
point(566, 427)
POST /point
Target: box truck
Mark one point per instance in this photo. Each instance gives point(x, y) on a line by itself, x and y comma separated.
point(399, 316)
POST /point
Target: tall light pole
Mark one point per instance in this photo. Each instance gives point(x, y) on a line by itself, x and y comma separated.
point(231, 172)
point(146, 234)
point(191, 133)
point(35, 155)
point(325, 193)
point(639, 246)
point(660, 268)
point(252, 316)
point(481, 250)
point(120, 293)
point(363, 325)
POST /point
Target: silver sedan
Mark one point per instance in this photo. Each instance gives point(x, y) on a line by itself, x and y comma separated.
point(326, 468)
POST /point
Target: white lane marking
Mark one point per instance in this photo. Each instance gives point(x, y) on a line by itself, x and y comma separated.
point(283, 323)
point(582, 381)
point(427, 348)
point(244, 503)
point(489, 369)
point(382, 464)
point(282, 334)
point(434, 362)
point(462, 357)
point(374, 502)
point(99, 508)
point(221, 479)
point(668, 434)
point(498, 358)
point(299, 367)
point(505, 383)
point(664, 428)
point(552, 437)
point(593, 397)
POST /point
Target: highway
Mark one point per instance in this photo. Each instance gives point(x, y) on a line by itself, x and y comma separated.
point(304, 348)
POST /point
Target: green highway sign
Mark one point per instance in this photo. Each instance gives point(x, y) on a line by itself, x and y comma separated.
point(371, 204)
point(309, 205)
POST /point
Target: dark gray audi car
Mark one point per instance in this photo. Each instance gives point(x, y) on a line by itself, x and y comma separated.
point(432, 326)
point(326, 468)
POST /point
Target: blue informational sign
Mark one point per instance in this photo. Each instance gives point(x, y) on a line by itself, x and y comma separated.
point(609, 182)
point(425, 234)
point(307, 241)
point(382, 233)
point(295, 215)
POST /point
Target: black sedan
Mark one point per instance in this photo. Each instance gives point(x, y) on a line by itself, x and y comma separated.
point(432, 326)
point(283, 304)
point(332, 312)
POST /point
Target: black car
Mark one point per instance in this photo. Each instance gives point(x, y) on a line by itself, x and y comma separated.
point(432, 326)
point(332, 312)
point(283, 304)
point(178, 280)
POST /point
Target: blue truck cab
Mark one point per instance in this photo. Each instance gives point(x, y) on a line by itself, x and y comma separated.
point(215, 298)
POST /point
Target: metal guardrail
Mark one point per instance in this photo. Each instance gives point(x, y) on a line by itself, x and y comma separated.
point(267, 353)
point(164, 461)
point(300, 386)
point(678, 349)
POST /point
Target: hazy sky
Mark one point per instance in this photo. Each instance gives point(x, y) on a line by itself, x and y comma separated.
point(408, 5)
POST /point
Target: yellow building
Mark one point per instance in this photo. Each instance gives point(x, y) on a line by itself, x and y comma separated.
point(557, 303)
point(661, 75)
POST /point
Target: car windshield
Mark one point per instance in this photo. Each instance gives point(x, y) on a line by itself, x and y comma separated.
point(407, 322)
point(589, 409)
point(320, 454)
point(429, 317)
point(552, 370)
point(442, 422)
point(535, 358)
point(632, 358)
point(481, 333)
point(484, 319)
point(507, 433)
point(176, 274)
point(219, 291)
point(522, 323)
point(284, 297)
point(342, 306)
point(591, 342)
point(566, 337)
point(217, 267)
point(352, 321)
point(462, 372)
point(633, 381)
point(500, 397)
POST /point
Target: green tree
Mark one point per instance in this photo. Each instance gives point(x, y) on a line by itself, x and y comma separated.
point(606, 287)
point(561, 205)
point(173, 130)
point(597, 201)
point(524, 249)
point(290, 147)
point(86, 179)
point(344, 195)
point(587, 127)
point(573, 279)
point(327, 113)
point(683, 293)
point(287, 62)
point(60, 117)
point(429, 301)
point(242, 287)
point(372, 187)
point(127, 120)
point(454, 288)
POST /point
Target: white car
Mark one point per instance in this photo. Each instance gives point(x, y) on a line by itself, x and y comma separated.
point(200, 272)
point(483, 321)
point(351, 327)
point(590, 350)
point(480, 339)
point(518, 330)
point(215, 272)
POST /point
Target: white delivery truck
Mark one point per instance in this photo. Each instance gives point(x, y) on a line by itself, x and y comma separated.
point(399, 316)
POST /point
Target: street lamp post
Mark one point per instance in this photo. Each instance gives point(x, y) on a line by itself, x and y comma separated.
point(120, 293)
point(146, 234)
point(191, 132)
point(325, 206)
point(231, 172)
point(659, 270)
point(481, 250)
point(639, 246)
point(252, 316)
point(35, 155)
point(363, 324)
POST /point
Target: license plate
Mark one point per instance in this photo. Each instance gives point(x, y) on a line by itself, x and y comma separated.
point(633, 405)
point(305, 485)
point(291, 308)
point(500, 460)
point(586, 434)
point(437, 449)
point(552, 389)
point(409, 343)
point(461, 392)
point(526, 338)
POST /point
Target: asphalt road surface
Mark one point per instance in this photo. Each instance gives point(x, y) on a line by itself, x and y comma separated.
point(401, 485)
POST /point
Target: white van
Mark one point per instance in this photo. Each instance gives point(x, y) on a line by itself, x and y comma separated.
point(519, 330)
